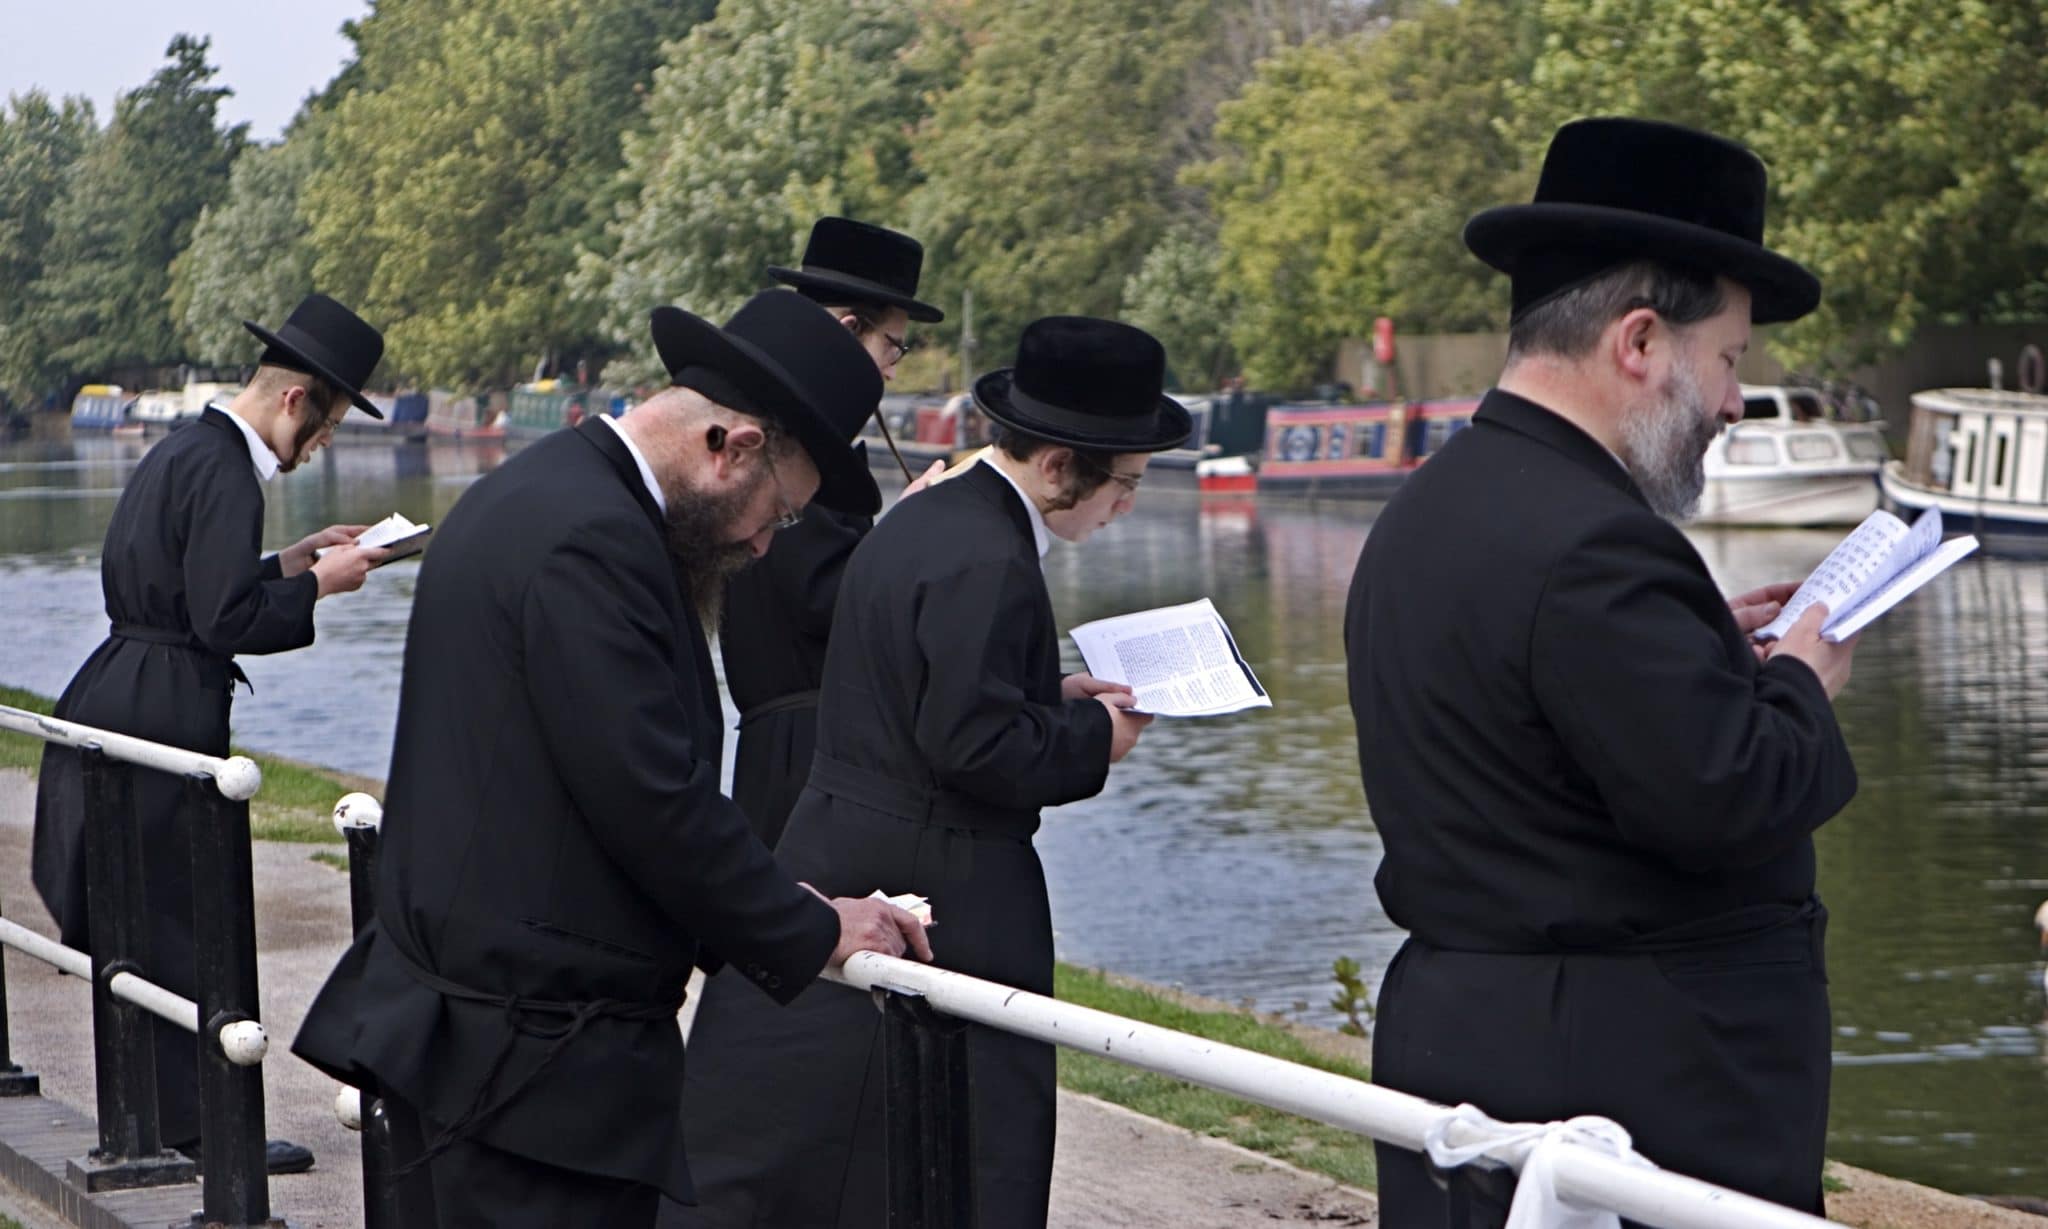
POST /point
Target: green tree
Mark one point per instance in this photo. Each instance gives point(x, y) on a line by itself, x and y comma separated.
point(249, 258)
point(127, 210)
point(39, 141)
point(760, 121)
point(1907, 141)
point(473, 159)
point(1177, 295)
point(1347, 168)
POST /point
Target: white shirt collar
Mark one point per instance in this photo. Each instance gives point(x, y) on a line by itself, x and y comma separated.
point(259, 452)
point(1041, 536)
point(639, 459)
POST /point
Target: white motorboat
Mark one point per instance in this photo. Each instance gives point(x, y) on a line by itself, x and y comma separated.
point(1981, 456)
point(1790, 463)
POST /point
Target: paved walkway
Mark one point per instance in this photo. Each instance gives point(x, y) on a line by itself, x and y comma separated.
point(1115, 1168)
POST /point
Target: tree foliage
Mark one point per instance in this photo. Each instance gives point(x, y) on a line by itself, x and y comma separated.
point(760, 121)
point(127, 209)
point(40, 139)
point(1177, 295)
point(457, 182)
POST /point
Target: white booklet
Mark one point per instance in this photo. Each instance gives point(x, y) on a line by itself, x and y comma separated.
point(394, 533)
point(1873, 570)
point(1179, 661)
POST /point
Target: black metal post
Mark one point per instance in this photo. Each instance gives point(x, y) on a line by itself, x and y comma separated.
point(237, 1187)
point(928, 1124)
point(14, 1082)
point(131, 1151)
point(380, 1209)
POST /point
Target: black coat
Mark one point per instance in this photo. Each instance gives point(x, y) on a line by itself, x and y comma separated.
point(1597, 811)
point(186, 588)
point(778, 619)
point(941, 733)
point(553, 830)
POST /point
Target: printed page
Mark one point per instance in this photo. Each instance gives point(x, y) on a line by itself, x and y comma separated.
point(1179, 661)
point(1891, 593)
point(1855, 568)
point(395, 533)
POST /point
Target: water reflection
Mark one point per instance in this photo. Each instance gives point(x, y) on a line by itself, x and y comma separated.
point(1234, 855)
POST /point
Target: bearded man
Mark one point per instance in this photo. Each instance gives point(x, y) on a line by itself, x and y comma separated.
point(1597, 797)
point(556, 855)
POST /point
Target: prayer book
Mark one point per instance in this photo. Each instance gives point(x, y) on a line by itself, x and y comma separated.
point(1871, 571)
point(1179, 661)
point(394, 533)
point(911, 903)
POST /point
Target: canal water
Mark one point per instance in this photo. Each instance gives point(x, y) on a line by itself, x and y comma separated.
point(1234, 856)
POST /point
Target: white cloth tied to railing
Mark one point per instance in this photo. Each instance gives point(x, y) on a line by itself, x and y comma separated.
point(1537, 1204)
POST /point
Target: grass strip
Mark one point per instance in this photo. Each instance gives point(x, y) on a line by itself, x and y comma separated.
point(1310, 1145)
point(296, 802)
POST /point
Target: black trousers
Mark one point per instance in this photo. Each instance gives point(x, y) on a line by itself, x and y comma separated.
point(475, 1186)
point(1716, 1060)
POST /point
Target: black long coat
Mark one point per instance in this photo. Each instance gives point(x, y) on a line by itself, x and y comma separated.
point(941, 733)
point(553, 829)
point(1597, 811)
point(778, 620)
point(186, 588)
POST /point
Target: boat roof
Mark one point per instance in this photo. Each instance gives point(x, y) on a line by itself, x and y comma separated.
point(1981, 401)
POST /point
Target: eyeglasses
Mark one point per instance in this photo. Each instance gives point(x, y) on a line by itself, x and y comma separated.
point(790, 517)
point(1129, 482)
point(901, 345)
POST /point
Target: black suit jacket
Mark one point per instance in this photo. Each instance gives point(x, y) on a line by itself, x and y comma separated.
point(554, 829)
point(1565, 740)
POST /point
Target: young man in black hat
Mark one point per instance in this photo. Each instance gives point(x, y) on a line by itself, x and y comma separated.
point(943, 727)
point(187, 587)
point(1597, 795)
point(778, 613)
point(556, 854)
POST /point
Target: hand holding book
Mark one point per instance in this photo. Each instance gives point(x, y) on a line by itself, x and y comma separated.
point(395, 534)
point(1872, 570)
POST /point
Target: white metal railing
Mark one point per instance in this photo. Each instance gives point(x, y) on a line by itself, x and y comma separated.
point(237, 776)
point(1584, 1177)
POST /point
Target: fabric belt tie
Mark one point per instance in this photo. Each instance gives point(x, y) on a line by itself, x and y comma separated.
point(790, 703)
point(576, 1016)
point(169, 638)
point(920, 804)
point(1537, 1204)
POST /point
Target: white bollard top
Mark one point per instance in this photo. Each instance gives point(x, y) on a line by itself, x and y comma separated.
point(357, 811)
point(348, 1106)
point(244, 1042)
point(239, 778)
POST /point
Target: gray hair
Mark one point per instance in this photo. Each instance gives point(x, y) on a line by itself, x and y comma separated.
point(1569, 325)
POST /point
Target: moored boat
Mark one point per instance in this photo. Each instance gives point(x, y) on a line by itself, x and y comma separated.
point(1981, 456)
point(100, 407)
point(1355, 451)
point(1790, 463)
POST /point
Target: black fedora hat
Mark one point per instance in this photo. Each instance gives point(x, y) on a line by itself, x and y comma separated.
point(1087, 383)
point(325, 339)
point(784, 357)
point(852, 262)
point(1615, 190)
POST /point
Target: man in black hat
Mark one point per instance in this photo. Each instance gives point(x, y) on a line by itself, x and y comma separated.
point(1597, 795)
point(778, 613)
point(556, 854)
point(187, 587)
point(944, 726)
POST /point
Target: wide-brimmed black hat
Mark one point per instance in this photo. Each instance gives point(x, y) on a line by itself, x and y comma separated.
point(852, 262)
point(325, 339)
point(1615, 190)
point(783, 357)
point(1087, 383)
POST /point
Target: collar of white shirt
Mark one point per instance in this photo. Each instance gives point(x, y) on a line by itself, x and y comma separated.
point(639, 459)
point(259, 452)
point(1041, 536)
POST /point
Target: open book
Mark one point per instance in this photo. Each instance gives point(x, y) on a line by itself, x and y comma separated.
point(394, 533)
point(1873, 570)
point(1179, 661)
point(910, 902)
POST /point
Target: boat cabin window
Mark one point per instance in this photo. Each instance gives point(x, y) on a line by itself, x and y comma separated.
point(1813, 446)
point(1759, 407)
point(1806, 407)
point(1751, 449)
point(1867, 446)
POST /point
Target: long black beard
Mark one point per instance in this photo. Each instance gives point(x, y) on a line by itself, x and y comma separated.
point(703, 559)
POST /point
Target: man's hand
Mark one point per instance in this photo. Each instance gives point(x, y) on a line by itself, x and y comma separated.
point(1759, 606)
point(870, 925)
point(1082, 686)
point(924, 479)
point(1829, 661)
point(1124, 725)
point(297, 557)
point(342, 569)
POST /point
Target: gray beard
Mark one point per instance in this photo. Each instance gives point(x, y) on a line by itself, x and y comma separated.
point(704, 561)
point(1664, 445)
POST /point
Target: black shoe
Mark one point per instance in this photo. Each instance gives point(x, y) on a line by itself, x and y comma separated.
point(280, 1156)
